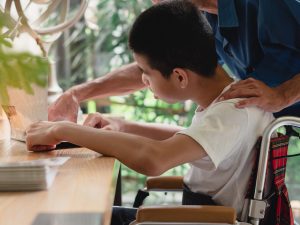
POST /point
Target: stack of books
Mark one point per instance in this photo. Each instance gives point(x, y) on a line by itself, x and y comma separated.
point(29, 175)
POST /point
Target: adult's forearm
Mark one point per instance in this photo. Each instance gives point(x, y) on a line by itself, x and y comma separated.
point(290, 90)
point(124, 80)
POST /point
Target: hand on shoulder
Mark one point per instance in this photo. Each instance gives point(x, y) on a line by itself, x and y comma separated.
point(256, 93)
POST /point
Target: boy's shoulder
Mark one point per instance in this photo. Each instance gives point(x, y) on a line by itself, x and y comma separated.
point(231, 104)
point(228, 104)
point(227, 109)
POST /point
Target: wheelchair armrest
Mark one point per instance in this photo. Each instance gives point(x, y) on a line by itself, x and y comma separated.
point(165, 183)
point(191, 214)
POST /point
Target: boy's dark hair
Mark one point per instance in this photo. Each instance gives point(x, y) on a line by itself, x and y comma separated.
point(174, 34)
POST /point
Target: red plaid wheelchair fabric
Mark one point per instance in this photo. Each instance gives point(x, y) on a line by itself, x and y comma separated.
point(279, 152)
point(278, 158)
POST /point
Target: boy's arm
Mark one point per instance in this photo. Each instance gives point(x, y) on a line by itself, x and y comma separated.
point(124, 80)
point(144, 155)
point(151, 130)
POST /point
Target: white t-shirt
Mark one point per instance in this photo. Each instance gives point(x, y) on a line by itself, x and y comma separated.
point(228, 136)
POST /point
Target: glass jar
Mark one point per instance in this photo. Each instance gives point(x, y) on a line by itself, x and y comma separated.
point(4, 125)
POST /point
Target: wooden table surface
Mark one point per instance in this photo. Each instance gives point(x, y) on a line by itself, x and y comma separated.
point(81, 194)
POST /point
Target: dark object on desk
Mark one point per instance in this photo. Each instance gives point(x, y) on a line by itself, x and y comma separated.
point(65, 145)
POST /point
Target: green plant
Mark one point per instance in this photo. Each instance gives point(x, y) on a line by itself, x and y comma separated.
point(18, 70)
point(96, 50)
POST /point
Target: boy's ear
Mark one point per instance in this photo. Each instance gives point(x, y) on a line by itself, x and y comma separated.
point(180, 77)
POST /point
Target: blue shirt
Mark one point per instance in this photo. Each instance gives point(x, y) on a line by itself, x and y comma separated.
point(259, 39)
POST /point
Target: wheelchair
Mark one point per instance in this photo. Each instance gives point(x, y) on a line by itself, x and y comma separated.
point(267, 198)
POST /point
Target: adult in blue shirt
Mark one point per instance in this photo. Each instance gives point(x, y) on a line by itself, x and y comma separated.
point(258, 40)
point(261, 39)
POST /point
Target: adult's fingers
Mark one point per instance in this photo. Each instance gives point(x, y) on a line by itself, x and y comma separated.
point(245, 86)
point(241, 93)
point(246, 81)
point(249, 102)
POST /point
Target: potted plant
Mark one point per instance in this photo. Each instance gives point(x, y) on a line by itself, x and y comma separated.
point(26, 69)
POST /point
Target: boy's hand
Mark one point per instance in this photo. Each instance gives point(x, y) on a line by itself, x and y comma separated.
point(41, 136)
point(97, 120)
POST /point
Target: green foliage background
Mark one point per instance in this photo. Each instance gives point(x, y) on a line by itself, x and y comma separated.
point(94, 52)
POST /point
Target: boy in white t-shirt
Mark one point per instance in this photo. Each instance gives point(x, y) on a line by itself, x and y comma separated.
point(174, 47)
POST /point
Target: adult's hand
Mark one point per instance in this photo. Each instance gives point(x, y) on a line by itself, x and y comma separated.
point(64, 108)
point(97, 120)
point(256, 93)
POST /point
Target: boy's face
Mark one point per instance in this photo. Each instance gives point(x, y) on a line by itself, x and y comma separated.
point(161, 87)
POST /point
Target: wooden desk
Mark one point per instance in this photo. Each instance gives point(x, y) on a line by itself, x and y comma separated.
point(82, 192)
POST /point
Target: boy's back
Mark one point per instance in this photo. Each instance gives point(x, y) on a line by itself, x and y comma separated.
point(228, 136)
